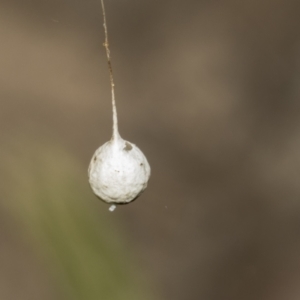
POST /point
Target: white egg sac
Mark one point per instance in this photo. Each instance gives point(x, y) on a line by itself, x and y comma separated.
point(118, 172)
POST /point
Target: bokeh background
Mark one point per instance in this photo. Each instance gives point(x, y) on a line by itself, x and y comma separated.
point(209, 90)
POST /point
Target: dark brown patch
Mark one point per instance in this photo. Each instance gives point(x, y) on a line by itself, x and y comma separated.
point(127, 147)
point(95, 158)
point(141, 164)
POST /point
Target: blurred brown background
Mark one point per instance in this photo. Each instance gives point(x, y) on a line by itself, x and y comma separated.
point(209, 90)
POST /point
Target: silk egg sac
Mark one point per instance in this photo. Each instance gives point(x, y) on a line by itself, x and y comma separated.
point(118, 172)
